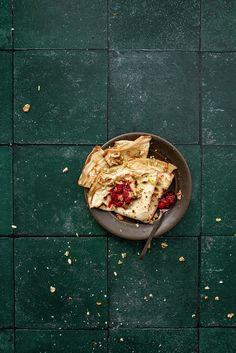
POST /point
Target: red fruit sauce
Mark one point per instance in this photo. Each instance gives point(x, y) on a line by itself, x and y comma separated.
point(120, 194)
point(167, 200)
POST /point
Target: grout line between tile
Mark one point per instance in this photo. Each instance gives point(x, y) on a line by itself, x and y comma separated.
point(200, 142)
point(13, 190)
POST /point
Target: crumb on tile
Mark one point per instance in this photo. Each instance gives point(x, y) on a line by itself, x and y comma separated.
point(65, 170)
point(98, 303)
point(218, 219)
point(230, 315)
point(181, 259)
point(52, 289)
point(26, 108)
point(123, 255)
point(164, 245)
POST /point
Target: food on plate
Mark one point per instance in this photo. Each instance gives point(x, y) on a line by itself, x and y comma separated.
point(124, 180)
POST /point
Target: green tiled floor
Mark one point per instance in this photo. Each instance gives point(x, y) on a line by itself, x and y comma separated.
point(91, 70)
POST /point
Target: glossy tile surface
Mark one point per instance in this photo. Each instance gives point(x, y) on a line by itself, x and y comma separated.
point(71, 277)
point(49, 201)
point(218, 198)
point(152, 92)
point(161, 288)
point(65, 24)
point(66, 91)
point(6, 285)
point(218, 278)
point(154, 24)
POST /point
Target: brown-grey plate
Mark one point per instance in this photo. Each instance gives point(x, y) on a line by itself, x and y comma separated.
point(127, 228)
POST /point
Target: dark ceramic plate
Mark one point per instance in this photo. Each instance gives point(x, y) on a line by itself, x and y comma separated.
point(160, 149)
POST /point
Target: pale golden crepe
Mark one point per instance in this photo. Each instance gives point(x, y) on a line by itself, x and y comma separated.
point(127, 161)
point(142, 184)
point(94, 163)
point(125, 150)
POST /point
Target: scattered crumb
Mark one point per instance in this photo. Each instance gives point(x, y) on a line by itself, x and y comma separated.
point(98, 303)
point(26, 108)
point(194, 315)
point(121, 218)
point(181, 259)
point(66, 253)
point(164, 245)
point(220, 281)
point(217, 298)
point(39, 88)
point(164, 300)
point(145, 298)
point(13, 226)
point(88, 313)
point(120, 262)
point(207, 288)
point(122, 339)
point(230, 315)
point(150, 295)
point(206, 297)
point(115, 273)
point(179, 195)
point(218, 219)
point(69, 261)
point(70, 298)
point(123, 255)
point(137, 225)
point(65, 170)
point(138, 253)
point(52, 289)
point(114, 14)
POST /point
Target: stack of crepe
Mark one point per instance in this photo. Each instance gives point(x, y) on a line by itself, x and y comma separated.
point(127, 161)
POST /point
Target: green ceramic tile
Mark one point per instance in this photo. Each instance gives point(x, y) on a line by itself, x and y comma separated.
point(153, 92)
point(61, 283)
point(6, 190)
point(190, 224)
point(61, 24)
point(70, 341)
point(218, 100)
point(217, 340)
point(5, 97)
point(67, 94)
point(6, 341)
point(219, 169)
point(6, 283)
point(153, 341)
point(159, 291)
point(218, 25)
point(218, 274)
point(5, 24)
point(154, 24)
point(48, 201)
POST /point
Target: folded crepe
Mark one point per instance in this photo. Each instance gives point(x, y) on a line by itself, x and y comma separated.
point(125, 150)
point(122, 179)
point(134, 200)
point(122, 151)
point(145, 187)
